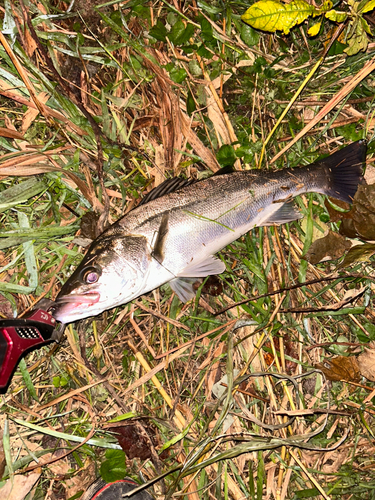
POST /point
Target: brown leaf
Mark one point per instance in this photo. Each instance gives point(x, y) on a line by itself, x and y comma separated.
point(330, 247)
point(11, 134)
point(340, 368)
point(360, 221)
point(212, 286)
point(358, 253)
point(336, 215)
point(366, 364)
point(89, 225)
point(32, 113)
point(18, 487)
point(6, 310)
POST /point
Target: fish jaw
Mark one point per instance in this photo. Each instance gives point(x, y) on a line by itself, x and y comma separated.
point(76, 306)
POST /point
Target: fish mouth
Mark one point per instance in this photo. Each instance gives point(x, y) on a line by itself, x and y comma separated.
point(68, 308)
point(79, 298)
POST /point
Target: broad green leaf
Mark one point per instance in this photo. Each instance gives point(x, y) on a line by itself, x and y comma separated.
point(314, 30)
point(369, 6)
point(207, 32)
point(336, 16)
point(269, 15)
point(226, 155)
point(359, 40)
point(249, 35)
point(178, 75)
point(159, 31)
point(180, 33)
point(114, 468)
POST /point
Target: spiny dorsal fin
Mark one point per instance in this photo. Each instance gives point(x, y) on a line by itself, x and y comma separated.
point(166, 187)
point(177, 183)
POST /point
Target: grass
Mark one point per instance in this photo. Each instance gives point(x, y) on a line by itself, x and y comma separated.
point(98, 106)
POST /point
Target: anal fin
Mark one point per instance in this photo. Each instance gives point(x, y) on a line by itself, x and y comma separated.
point(182, 285)
point(286, 213)
point(183, 288)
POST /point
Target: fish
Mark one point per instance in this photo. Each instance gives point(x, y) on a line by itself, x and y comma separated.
point(174, 235)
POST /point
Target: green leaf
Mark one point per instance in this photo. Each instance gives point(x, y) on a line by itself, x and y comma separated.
point(113, 469)
point(102, 443)
point(20, 193)
point(159, 31)
point(27, 379)
point(369, 6)
point(178, 75)
point(226, 155)
point(249, 35)
point(28, 248)
point(206, 30)
point(180, 33)
point(358, 40)
point(120, 418)
point(269, 15)
point(190, 104)
point(366, 27)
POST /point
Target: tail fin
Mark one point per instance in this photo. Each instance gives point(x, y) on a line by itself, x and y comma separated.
point(344, 169)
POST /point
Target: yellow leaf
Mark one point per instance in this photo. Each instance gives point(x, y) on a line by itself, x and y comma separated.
point(336, 16)
point(369, 6)
point(270, 15)
point(327, 5)
point(314, 30)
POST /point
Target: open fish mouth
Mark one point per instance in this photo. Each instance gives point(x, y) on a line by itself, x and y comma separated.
point(79, 298)
point(72, 307)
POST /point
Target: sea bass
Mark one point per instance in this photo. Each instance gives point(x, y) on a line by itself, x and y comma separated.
point(174, 238)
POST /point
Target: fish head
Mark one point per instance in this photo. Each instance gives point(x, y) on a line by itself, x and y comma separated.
point(113, 272)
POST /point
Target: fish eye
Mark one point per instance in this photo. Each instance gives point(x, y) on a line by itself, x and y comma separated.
point(90, 275)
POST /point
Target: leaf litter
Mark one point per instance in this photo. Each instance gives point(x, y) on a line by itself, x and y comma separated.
point(99, 110)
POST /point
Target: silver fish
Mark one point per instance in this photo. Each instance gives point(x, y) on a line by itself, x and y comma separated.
point(174, 238)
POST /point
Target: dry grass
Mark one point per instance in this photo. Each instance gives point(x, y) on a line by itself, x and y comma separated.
point(96, 112)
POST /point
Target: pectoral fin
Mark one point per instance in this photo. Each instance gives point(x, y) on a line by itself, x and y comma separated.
point(159, 245)
point(211, 265)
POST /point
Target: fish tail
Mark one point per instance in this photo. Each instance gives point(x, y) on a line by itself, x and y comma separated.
point(344, 170)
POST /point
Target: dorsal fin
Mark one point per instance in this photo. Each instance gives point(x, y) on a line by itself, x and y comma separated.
point(176, 183)
point(228, 169)
point(166, 187)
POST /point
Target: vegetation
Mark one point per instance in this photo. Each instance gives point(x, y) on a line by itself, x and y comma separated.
point(257, 388)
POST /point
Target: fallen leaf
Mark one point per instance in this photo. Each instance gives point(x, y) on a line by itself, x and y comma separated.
point(11, 134)
point(330, 247)
point(340, 368)
point(336, 215)
point(360, 221)
point(6, 310)
point(18, 487)
point(358, 253)
point(366, 363)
